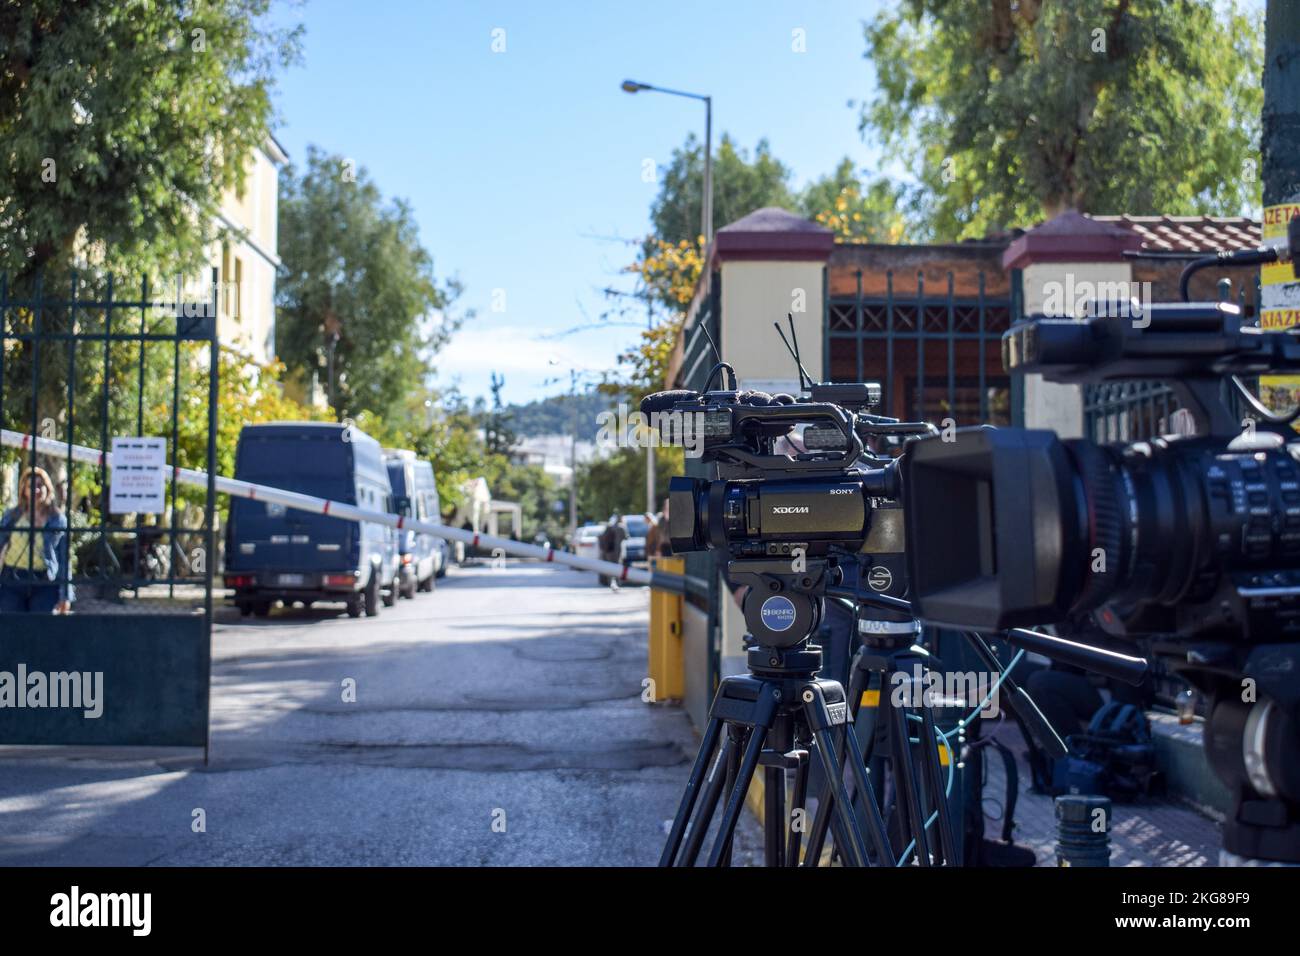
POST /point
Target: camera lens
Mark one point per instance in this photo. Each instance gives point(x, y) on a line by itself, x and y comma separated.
point(1165, 536)
point(1141, 520)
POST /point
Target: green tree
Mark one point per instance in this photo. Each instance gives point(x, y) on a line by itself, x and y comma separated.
point(498, 434)
point(354, 266)
point(124, 122)
point(617, 483)
point(1014, 111)
point(740, 185)
point(857, 212)
point(670, 260)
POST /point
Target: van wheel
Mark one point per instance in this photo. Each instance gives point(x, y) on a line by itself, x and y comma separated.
point(354, 607)
point(390, 595)
point(262, 608)
point(408, 591)
point(429, 583)
point(245, 609)
point(442, 571)
point(372, 595)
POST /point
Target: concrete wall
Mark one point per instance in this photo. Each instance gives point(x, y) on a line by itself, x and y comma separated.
point(1049, 405)
point(247, 264)
point(756, 294)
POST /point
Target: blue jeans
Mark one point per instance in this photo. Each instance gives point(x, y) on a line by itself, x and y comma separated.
point(27, 592)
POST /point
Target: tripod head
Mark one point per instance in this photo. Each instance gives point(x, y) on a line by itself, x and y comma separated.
point(783, 605)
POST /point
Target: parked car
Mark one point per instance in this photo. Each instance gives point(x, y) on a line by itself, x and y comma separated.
point(274, 553)
point(424, 557)
point(586, 540)
point(632, 550)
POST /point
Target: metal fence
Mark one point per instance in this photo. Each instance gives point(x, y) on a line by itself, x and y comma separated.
point(703, 585)
point(1136, 411)
point(83, 363)
point(937, 353)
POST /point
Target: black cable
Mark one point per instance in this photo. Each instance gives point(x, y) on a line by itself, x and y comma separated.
point(1259, 408)
point(1242, 257)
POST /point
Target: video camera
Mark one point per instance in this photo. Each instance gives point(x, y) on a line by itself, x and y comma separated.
point(1192, 536)
point(1192, 541)
point(799, 489)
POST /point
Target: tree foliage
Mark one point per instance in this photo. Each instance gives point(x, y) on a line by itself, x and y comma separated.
point(353, 264)
point(853, 210)
point(1013, 110)
point(617, 483)
point(740, 185)
point(124, 122)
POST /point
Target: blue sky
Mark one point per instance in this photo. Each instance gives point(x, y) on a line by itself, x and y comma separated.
point(524, 167)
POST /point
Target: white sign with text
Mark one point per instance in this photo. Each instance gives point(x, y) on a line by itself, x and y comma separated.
point(138, 480)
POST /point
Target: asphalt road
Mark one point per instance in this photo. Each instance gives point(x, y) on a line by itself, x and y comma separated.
point(495, 721)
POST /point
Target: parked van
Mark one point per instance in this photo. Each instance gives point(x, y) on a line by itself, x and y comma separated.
point(274, 553)
point(415, 495)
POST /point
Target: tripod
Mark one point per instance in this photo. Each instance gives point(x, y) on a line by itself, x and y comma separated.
point(887, 652)
point(780, 714)
point(774, 716)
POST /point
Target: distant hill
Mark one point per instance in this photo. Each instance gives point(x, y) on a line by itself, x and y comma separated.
point(554, 416)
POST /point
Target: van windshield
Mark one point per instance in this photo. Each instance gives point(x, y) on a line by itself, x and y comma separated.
point(312, 466)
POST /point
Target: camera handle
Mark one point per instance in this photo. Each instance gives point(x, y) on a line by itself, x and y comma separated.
point(1121, 667)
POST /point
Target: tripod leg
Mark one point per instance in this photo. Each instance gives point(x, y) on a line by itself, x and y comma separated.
point(875, 822)
point(859, 679)
point(707, 746)
point(774, 816)
point(855, 850)
point(905, 781)
point(700, 829)
point(821, 823)
point(937, 787)
point(727, 827)
point(797, 806)
point(739, 735)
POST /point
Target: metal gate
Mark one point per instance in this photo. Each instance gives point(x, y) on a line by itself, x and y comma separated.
point(137, 375)
point(937, 354)
point(1135, 411)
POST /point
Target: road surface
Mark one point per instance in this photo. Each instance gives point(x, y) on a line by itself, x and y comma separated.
point(496, 721)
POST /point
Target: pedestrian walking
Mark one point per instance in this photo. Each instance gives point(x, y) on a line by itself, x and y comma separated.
point(611, 542)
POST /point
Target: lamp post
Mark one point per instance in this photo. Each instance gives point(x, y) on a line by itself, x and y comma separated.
point(706, 224)
point(330, 345)
point(706, 214)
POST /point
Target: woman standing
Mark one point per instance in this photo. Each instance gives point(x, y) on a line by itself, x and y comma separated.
point(34, 577)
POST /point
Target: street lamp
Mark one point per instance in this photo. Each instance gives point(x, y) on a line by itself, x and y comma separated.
point(706, 225)
point(706, 215)
point(573, 444)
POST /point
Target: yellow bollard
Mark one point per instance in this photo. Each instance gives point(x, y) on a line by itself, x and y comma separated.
point(667, 665)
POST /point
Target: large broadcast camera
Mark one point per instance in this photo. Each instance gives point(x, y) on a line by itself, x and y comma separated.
point(1192, 541)
point(1190, 536)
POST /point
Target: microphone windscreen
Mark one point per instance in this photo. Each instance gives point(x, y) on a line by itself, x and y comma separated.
point(781, 398)
point(755, 397)
point(662, 401)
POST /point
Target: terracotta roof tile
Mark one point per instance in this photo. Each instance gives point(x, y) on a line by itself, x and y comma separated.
point(1191, 234)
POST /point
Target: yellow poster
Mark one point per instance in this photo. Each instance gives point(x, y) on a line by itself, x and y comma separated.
point(1279, 304)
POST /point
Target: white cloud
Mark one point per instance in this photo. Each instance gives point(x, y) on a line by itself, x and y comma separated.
point(524, 357)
